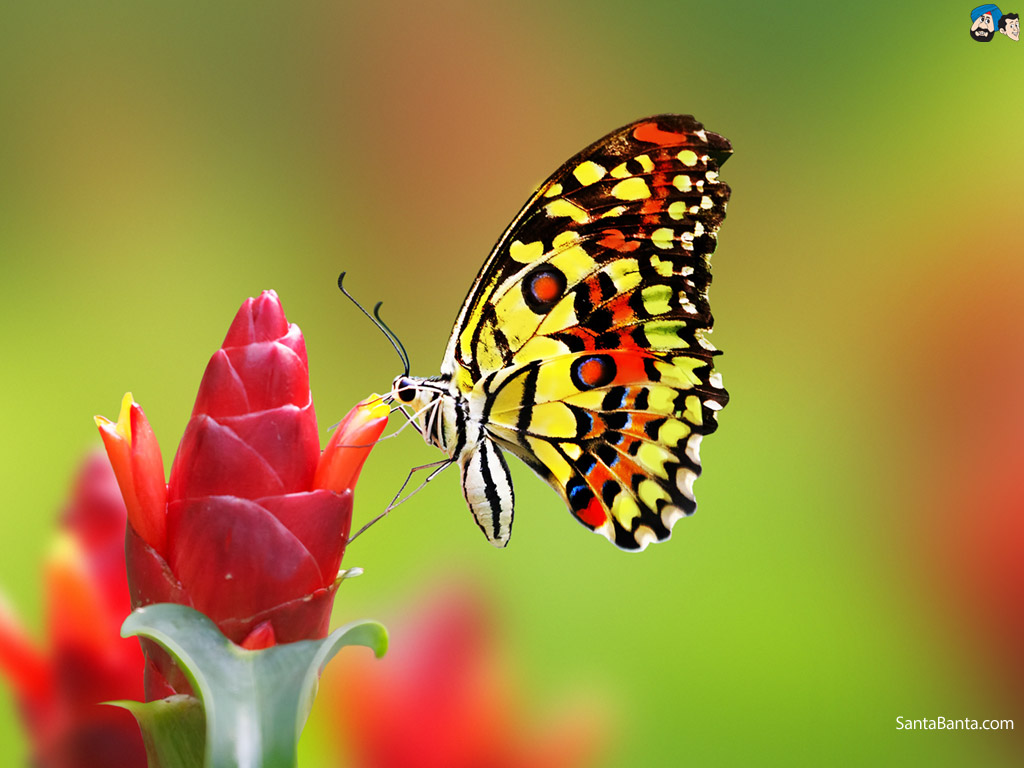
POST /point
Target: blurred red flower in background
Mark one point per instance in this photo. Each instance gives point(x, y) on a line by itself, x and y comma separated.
point(967, 535)
point(251, 528)
point(442, 698)
point(59, 689)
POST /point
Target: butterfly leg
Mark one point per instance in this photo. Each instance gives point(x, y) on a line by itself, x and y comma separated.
point(439, 467)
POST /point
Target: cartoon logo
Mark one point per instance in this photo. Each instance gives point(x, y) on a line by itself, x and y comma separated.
point(1009, 25)
point(984, 19)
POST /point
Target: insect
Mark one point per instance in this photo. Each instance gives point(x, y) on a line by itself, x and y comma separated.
point(581, 346)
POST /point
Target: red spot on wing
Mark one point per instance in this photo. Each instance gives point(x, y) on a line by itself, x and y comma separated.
point(593, 514)
point(629, 366)
point(592, 371)
point(622, 312)
point(653, 205)
point(614, 239)
point(652, 134)
point(546, 288)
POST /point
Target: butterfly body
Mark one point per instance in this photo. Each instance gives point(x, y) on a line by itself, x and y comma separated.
point(457, 425)
point(581, 347)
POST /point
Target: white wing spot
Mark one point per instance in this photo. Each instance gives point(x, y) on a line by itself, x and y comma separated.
point(644, 536)
point(693, 448)
point(670, 514)
point(684, 481)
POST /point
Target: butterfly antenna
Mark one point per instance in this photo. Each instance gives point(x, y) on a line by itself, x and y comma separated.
point(375, 319)
point(394, 336)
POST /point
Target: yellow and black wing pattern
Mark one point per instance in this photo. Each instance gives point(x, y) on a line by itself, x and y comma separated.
point(581, 346)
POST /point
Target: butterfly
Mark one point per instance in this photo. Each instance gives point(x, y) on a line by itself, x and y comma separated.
point(581, 347)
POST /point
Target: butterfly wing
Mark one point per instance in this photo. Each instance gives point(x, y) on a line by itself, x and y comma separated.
point(617, 433)
point(582, 340)
point(649, 191)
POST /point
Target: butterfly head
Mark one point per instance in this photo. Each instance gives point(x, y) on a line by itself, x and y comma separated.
point(406, 390)
point(429, 405)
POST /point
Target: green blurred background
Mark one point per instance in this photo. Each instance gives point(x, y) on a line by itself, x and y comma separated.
point(859, 549)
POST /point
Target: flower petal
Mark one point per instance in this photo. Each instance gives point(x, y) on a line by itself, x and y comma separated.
point(307, 617)
point(20, 661)
point(255, 377)
point(262, 636)
point(148, 479)
point(350, 445)
point(150, 579)
point(286, 439)
point(95, 514)
point(235, 559)
point(213, 460)
point(258, 319)
point(138, 467)
point(321, 520)
point(273, 372)
point(92, 662)
point(77, 611)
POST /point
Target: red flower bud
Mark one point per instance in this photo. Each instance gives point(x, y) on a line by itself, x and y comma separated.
point(59, 689)
point(250, 539)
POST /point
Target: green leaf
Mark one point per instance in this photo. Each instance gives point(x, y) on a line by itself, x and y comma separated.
point(173, 730)
point(256, 702)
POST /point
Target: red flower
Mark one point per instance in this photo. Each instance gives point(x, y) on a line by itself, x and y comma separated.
point(251, 528)
point(965, 530)
point(441, 699)
point(59, 689)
